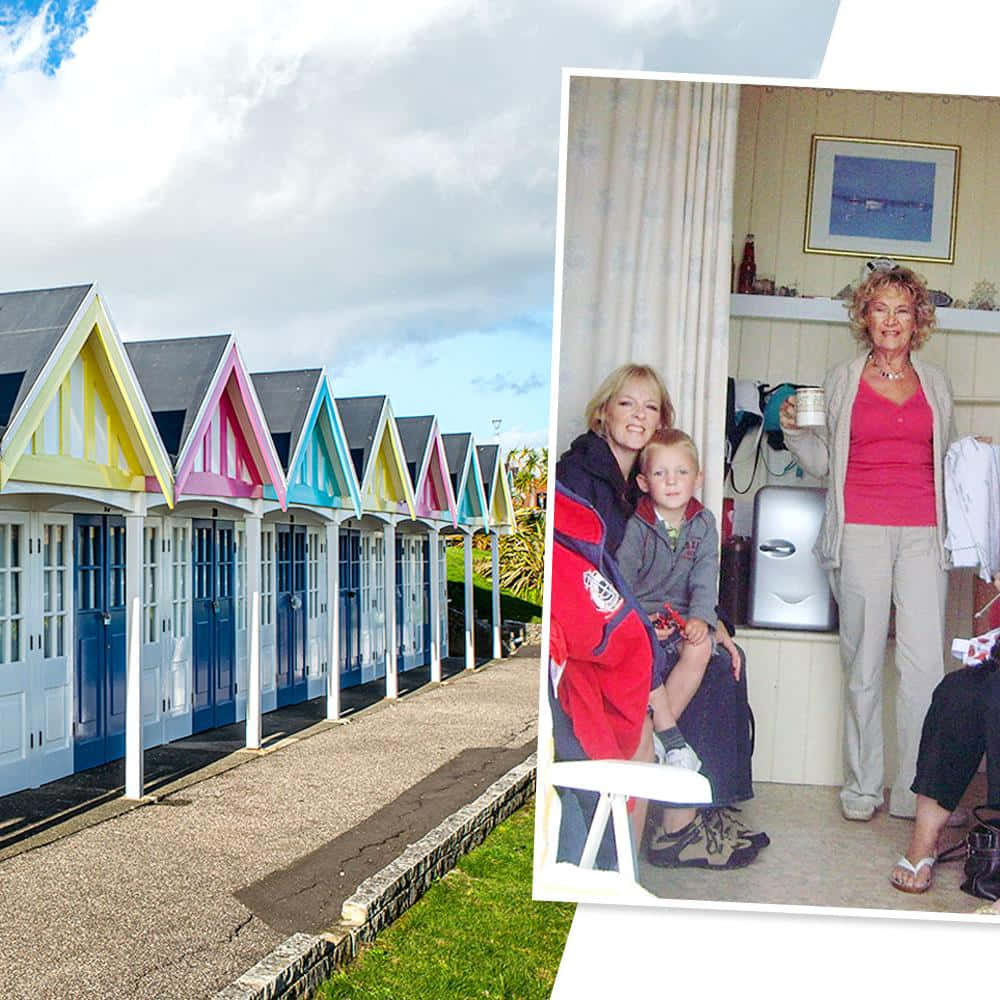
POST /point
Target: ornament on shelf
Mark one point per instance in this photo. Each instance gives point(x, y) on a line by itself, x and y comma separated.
point(748, 269)
point(983, 295)
point(878, 264)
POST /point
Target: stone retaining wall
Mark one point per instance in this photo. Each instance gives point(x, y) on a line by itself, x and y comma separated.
point(303, 961)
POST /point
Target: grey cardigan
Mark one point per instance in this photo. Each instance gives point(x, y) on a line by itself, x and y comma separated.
point(822, 452)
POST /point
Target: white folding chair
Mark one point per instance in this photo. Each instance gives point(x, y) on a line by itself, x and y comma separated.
point(617, 780)
point(614, 781)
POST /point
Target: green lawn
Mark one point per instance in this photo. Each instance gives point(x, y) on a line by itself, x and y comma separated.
point(476, 933)
point(511, 607)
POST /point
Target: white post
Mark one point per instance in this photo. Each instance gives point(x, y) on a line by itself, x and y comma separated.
point(434, 564)
point(495, 568)
point(333, 619)
point(391, 666)
point(253, 556)
point(470, 613)
point(134, 777)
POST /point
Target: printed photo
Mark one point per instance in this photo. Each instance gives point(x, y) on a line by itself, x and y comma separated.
point(767, 557)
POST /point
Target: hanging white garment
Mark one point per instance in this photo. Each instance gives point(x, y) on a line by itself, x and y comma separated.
point(972, 502)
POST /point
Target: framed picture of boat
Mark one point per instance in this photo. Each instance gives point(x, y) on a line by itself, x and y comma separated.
point(882, 198)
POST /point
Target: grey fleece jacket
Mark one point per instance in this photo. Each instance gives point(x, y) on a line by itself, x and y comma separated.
point(687, 576)
point(823, 452)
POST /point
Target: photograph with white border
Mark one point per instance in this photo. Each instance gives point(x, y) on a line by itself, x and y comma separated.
point(663, 179)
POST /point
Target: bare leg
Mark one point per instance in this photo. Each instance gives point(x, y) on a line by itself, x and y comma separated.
point(672, 819)
point(646, 755)
point(663, 718)
point(686, 676)
point(927, 827)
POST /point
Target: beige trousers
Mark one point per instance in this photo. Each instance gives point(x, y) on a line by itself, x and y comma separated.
point(880, 566)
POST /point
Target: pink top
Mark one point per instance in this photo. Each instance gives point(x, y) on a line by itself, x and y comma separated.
point(890, 465)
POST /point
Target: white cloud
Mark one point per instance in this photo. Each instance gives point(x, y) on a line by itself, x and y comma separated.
point(687, 15)
point(25, 40)
point(323, 179)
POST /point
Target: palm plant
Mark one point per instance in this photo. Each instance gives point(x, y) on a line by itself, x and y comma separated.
point(521, 557)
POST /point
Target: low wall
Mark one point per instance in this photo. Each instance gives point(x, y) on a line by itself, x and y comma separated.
point(297, 966)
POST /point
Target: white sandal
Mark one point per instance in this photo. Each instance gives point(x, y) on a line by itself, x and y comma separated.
point(914, 870)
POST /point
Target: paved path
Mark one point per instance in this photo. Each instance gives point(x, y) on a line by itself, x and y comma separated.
point(144, 904)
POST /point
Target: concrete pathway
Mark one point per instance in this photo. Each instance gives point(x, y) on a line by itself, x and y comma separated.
point(144, 904)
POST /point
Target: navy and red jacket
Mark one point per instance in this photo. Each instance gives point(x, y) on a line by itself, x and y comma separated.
point(599, 634)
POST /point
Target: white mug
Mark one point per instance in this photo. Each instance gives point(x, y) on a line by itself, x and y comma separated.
point(810, 406)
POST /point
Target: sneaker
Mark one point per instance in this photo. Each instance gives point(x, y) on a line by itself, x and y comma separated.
point(729, 816)
point(703, 843)
point(683, 757)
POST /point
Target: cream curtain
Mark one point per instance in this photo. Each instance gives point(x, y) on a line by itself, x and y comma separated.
point(647, 249)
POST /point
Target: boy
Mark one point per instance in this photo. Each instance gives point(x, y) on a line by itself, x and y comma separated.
point(670, 554)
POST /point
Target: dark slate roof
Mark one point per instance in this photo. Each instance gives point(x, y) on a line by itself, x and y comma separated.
point(487, 455)
point(456, 448)
point(31, 324)
point(414, 433)
point(359, 416)
point(175, 376)
point(285, 398)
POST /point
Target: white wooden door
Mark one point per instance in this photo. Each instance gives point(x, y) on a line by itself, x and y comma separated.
point(419, 610)
point(51, 615)
point(317, 640)
point(268, 648)
point(154, 631)
point(442, 556)
point(176, 701)
point(411, 610)
point(16, 720)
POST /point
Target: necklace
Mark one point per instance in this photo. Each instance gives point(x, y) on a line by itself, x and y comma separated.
point(887, 372)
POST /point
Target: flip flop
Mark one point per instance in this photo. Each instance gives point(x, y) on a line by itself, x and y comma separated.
point(914, 870)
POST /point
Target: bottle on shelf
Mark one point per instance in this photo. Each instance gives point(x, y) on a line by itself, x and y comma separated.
point(748, 268)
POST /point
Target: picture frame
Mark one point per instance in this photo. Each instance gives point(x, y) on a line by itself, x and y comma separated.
point(882, 198)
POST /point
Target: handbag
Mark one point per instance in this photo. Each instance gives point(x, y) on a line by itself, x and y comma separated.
point(981, 850)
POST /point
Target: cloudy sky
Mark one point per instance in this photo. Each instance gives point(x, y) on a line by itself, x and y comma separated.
point(367, 186)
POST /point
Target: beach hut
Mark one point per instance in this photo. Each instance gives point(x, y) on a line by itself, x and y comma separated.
point(304, 624)
point(473, 512)
point(422, 577)
point(78, 449)
point(500, 520)
point(369, 548)
point(208, 557)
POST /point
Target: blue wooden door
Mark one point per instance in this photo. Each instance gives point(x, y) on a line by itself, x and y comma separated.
point(349, 569)
point(213, 647)
point(99, 622)
point(290, 608)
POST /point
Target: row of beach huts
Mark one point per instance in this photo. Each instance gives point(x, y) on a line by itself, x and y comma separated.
point(184, 544)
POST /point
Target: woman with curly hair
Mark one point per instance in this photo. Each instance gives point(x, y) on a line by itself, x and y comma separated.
point(888, 426)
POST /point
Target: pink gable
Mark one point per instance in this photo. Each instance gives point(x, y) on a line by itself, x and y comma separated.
point(434, 493)
point(231, 454)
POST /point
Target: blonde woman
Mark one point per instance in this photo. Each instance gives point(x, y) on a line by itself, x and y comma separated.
point(889, 423)
point(630, 405)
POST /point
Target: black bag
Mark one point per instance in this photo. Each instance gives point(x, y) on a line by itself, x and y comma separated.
point(982, 855)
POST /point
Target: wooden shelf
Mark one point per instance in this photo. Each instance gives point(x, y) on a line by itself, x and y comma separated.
point(817, 310)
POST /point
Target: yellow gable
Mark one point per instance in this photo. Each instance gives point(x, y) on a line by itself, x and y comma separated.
point(82, 438)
